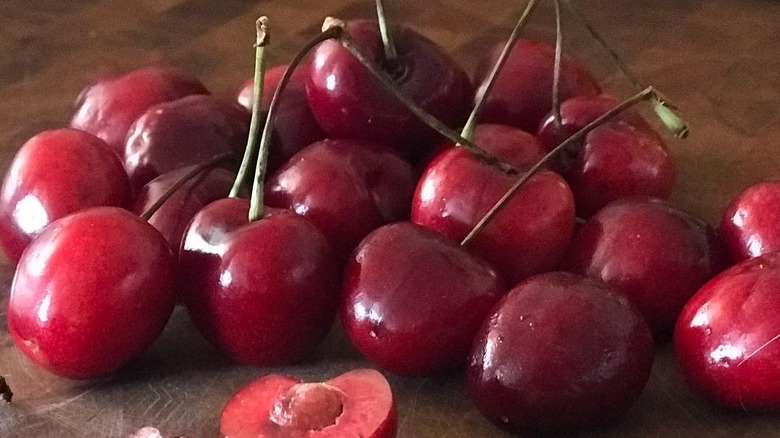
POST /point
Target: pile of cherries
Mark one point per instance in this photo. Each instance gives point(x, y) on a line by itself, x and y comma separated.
point(549, 298)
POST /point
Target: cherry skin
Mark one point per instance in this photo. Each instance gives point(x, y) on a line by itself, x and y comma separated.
point(91, 292)
point(531, 233)
point(522, 93)
point(172, 218)
point(347, 188)
point(348, 102)
point(265, 292)
point(751, 224)
point(54, 174)
point(413, 299)
point(184, 132)
point(726, 337)
point(559, 353)
point(108, 107)
point(295, 126)
point(656, 255)
point(358, 403)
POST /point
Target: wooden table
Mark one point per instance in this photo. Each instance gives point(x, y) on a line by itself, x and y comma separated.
point(717, 59)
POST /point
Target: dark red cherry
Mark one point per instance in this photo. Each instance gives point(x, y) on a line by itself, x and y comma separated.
point(54, 174)
point(522, 94)
point(92, 291)
point(265, 292)
point(347, 188)
point(413, 299)
point(184, 132)
point(348, 102)
point(751, 224)
point(656, 255)
point(726, 337)
point(108, 107)
point(559, 353)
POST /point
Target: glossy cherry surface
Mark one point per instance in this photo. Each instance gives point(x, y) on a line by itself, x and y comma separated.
point(358, 403)
point(413, 299)
point(348, 102)
point(656, 255)
point(265, 292)
point(184, 132)
point(347, 188)
point(726, 338)
point(522, 94)
point(108, 107)
point(54, 174)
point(91, 292)
point(751, 224)
point(559, 353)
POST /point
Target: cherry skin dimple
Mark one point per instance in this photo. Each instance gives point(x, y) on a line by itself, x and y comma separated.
point(751, 224)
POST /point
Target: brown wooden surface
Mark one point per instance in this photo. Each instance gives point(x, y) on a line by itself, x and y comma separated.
point(718, 60)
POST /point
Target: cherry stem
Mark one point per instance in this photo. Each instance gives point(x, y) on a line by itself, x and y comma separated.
point(556, 95)
point(391, 54)
point(206, 165)
point(433, 122)
point(646, 94)
point(257, 94)
point(665, 111)
point(487, 86)
point(5, 390)
point(256, 201)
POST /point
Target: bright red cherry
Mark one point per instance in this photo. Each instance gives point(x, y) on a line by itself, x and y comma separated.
point(559, 353)
point(522, 94)
point(726, 337)
point(108, 107)
point(265, 292)
point(656, 255)
point(184, 132)
point(54, 174)
point(91, 292)
point(751, 224)
point(358, 403)
point(413, 299)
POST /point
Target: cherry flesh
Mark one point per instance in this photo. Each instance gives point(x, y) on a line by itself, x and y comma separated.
point(413, 299)
point(522, 93)
point(348, 102)
point(108, 107)
point(347, 188)
point(54, 174)
point(184, 132)
point(726, 337)
point(655, 254)
point(265, 292)
point(358, 403)
point(751, 224)
point(92, 291)
point(559, 353)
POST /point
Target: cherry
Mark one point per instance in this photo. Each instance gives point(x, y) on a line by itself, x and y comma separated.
point(54, 174)
point(725, 338)
point(108, 107)
point(357, 403)
point(183, 132)
point(266, 292)
point(295, 127)
point(348, 102)
point(413, 299)
point(750, 225)
point(655, 254)
point(523, 88)
point(559, 353)
point(92, 291)
point(347, 188)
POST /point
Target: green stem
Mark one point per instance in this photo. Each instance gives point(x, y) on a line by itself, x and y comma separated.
point(257, 95)
point(646, 94)
point(391, 54)
point(556, 95)
point(487, 86)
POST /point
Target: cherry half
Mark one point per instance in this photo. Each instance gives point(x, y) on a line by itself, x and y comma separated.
point(751, 224)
